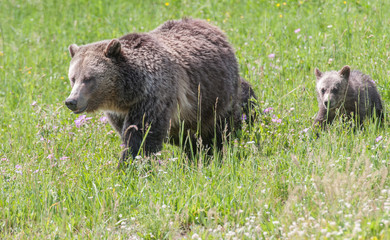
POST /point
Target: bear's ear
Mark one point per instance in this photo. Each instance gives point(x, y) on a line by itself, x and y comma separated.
point(73, 49)
point(318, 73)
point(113, 48)
point(345, 71)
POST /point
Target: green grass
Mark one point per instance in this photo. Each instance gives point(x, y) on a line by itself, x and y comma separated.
point(275, 181)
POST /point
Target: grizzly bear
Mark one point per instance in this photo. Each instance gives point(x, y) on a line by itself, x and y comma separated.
point(182, 77)
point(350, 93)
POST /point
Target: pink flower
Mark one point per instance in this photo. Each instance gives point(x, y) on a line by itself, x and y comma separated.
point(272, 55)
point(50, 156)
point(297, 30)
point(103, 119)
point(4, 159)
point(81, 120)
point(276, 120)
point(18, 166)
point(305, 130)
point(34, 103)
point(378, 139)
point(64, 158)
point(267, 110)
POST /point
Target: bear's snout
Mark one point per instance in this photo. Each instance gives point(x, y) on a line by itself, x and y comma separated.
point(71, 103)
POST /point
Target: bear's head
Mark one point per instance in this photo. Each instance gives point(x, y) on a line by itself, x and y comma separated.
point(332, 86)
point(93, 74)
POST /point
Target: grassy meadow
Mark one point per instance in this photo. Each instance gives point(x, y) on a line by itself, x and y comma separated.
point(58, 180)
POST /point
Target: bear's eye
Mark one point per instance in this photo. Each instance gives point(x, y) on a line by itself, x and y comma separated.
point(335, 90)
point(72, 80)
point(323, 90)
point(89, 79)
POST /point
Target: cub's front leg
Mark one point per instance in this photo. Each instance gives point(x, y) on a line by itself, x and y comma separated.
point(324, 117)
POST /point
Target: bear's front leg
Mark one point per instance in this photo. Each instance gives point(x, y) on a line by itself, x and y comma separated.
point(148, 132)
point(324, 117)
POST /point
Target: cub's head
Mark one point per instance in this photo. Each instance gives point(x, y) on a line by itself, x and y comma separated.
point(93, 75)
point(331, 87)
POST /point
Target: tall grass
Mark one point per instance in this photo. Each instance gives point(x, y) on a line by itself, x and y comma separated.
point(276, 181)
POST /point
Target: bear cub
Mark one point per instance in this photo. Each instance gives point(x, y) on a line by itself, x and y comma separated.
point(348, 93)
point(182, 77)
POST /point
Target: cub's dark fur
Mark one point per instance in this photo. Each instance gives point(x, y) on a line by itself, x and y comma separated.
point(346, 91)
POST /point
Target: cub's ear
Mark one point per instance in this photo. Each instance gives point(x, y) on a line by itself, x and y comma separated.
point(73, 49)
point(318, 73)
point(113, 48)
point(345, 71)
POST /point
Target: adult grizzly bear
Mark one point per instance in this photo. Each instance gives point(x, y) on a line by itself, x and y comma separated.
point(150, 84)
point(351, 92)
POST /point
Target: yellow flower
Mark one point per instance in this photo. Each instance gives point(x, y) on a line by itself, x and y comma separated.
point(62, 77)
point(208, 19)
point(242, 16)
point(345, 2)
point(280, 15)
point(278, 4)
point(29, 72)
point(300, 2)
point(167, 4)
point(284, 3)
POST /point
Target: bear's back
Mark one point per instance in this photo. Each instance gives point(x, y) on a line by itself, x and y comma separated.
point(363, 90)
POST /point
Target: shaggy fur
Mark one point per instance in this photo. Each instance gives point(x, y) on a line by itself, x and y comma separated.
point(352, 93)
point(183, 72)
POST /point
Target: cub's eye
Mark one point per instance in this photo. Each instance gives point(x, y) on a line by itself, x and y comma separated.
point(323, 90)
point(335, 90)
point(72, 80)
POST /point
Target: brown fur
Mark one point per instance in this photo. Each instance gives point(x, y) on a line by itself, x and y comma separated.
point(346, 91)
point(183, 72)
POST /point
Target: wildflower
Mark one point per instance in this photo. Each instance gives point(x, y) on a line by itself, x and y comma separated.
point(280, 15)
point(122, 145)
point(278, 4)
point(103, 119)
point(305, 130)
point(18, 171)
point(345, 2)
point(276, 120)
point(284, 3)
point(64, 158)
point(267, 110)
point(81, 120)
point(36, 171)
point(297, 30)
point(4, 159)
point(195, 236)
point(29, 72)
point(34, 103)
point(272, 55)
point(378, 139)
point(243, 117)
point(50, 156)
point(167, 4)
point(330, 26)
point(62, 78)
